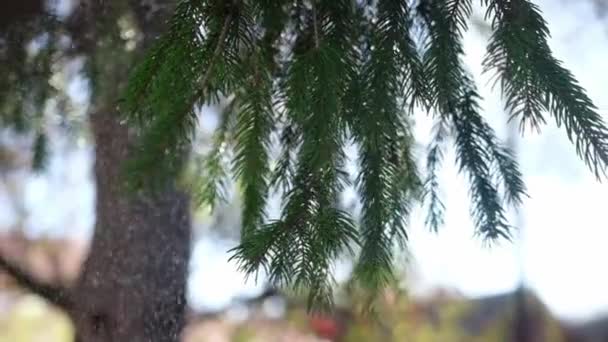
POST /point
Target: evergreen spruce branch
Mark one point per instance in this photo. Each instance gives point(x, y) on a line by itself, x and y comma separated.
point(256, 117)
point(164, 132)
point(183, 29)
point(396, 19)
point(388, 185)
point(283, 171)
point(458, 12)
point(334, 232)
point(174, 91)
point(255, 123)
point(210, 186)
point(478, 151)
point(274, 19)
point(474, 159)
point(350, 39)
point(298, 214)
point(314, 232)
point(445, 23)
point(341, 29)
point(327, 72)
point(522, 91)
point(140, 82)
point(327, 232)
point(407, 183)
point(261, 250)
point(436, 208)
point(501, 159)
point(443, 51)
point(164, 137)
point(297, 251)
point(384, 181)
point(534, 81)
point(504, 164)
point(374, 268)
point(203, 82)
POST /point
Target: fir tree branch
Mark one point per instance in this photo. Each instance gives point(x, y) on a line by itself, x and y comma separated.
point(299, 248)
point(533, 81)
point(454, 96)
point(435, 211)
point(283, 172)
point(445, 21)
point(253, 129)
point(332, 72)
point(186, 64)
point(504, 164)
point(217, 51)
point(213, 178)
point(443, 51)
point(55, 295)
point(387, 180)
point(475, 160)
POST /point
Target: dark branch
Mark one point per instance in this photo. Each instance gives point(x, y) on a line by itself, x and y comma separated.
point(56, 295)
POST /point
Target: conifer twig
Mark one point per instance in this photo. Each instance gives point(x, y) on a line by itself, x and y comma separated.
point(216, 52)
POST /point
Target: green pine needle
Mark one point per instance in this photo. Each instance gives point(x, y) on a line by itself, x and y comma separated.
point(533, 81)
point(322, 75)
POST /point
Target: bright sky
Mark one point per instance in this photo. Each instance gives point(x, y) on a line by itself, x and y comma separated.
point(564, 236)
point(565, 226)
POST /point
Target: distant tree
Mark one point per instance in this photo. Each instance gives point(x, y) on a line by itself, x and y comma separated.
point(320, 75)
point(133, 283)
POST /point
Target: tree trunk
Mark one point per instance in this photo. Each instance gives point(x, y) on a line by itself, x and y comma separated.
point(133, 284)
point(134, 280)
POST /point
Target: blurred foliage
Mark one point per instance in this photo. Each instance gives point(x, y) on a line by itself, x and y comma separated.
point(31, 319)
point(452, 318)
point(442, 317)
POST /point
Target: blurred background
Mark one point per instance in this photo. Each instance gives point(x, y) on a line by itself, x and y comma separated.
point(552, 277)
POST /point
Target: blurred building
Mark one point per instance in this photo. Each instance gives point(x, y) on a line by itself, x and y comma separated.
point(438, 316)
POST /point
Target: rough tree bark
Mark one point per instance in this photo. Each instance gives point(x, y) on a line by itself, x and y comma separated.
point(134, 281)
point(133, 284)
